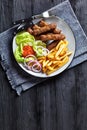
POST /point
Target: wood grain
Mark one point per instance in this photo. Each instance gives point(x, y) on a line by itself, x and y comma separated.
point(57, 104)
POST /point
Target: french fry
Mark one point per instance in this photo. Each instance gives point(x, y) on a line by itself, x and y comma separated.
point(50, 56)
point(44, 70)
point(50, 68)
point(63, 52)
point(60, 50)
point(67, 54)
point(50, 72)
point(45, 63)
point(66, 42)
point(42, 58)
point(57, 58)
point(50, 63)
point(64, 61)
point(58, 45)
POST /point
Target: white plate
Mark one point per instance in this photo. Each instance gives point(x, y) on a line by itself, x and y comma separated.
point(69, 36)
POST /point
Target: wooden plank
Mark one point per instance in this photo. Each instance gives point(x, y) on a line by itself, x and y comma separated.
point(5, 14)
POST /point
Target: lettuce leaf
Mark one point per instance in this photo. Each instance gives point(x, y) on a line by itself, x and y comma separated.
point(38, 50)
point(24, 37)
point(18, 55)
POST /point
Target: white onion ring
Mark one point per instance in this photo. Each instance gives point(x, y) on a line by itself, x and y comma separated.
point(33, 56)
point(31, 62)
point(31, 65)
point(28, 56)
point(45, 51)
point(37, 69)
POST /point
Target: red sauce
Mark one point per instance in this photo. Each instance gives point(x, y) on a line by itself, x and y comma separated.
point(28, 50)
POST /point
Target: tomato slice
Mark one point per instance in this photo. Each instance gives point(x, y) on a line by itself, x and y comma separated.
point(28, 50)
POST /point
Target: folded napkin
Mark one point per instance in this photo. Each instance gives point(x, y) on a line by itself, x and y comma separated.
point(20, 80)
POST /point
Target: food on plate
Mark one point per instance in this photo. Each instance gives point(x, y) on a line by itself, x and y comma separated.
point(50, 36)
point(18, 55)
point(36, 27)
point(31, 63)
point(42, 23)
point(56, 58)
point(42, 48)
point(28, 50)
point(30, 30)
point(52, 45)
point(44, 29)
point(24, 37)
point(56, 31)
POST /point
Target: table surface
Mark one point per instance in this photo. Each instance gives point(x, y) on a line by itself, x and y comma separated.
point(57, 104)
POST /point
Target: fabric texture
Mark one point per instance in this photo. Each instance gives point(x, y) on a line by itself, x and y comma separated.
point(20, 80)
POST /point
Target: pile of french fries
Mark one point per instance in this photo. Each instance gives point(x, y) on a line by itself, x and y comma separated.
point(56, 58)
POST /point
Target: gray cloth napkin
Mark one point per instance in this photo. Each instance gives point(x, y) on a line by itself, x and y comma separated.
point(20, 80)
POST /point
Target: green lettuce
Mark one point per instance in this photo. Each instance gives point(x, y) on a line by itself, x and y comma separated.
point(38, 50)
point(18, 55)
point(24, 37)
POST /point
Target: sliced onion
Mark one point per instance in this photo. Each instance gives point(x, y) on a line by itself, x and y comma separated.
point(26, 63)
point(36, 67)
point(33, 56)
point(33, 65)
point(45, 51)
point(27, 66)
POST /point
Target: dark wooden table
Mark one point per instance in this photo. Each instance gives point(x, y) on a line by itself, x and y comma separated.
point(59, 104)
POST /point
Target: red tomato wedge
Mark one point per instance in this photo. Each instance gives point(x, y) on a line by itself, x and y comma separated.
point(28, 50)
